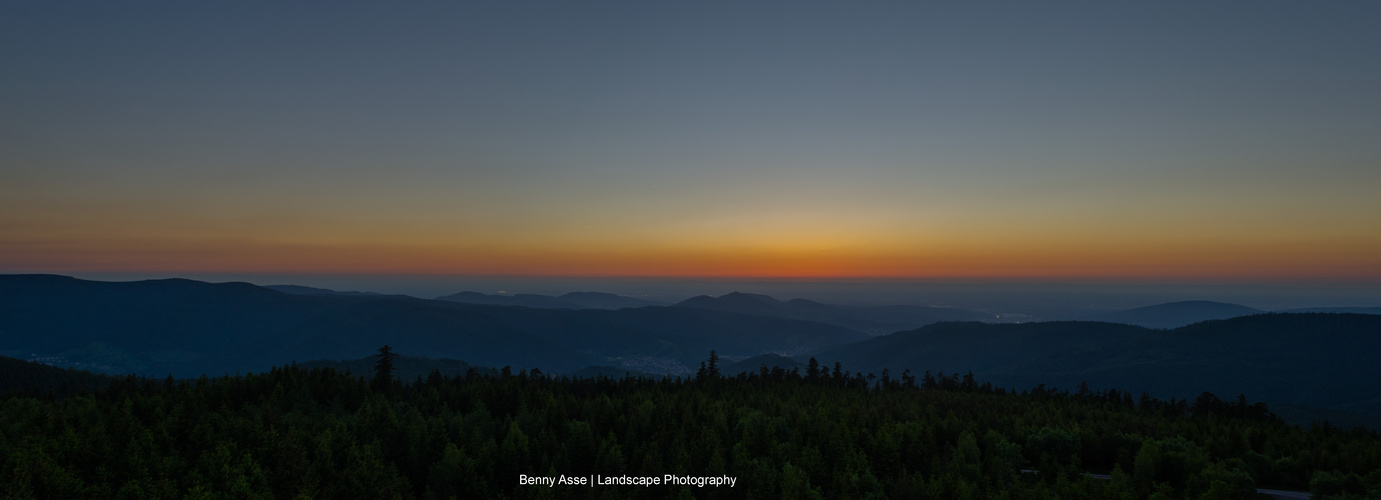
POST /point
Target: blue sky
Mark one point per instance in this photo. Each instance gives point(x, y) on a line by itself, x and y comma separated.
point(1235, 140)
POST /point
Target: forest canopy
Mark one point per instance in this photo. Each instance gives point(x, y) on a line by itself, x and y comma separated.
point(826, 433)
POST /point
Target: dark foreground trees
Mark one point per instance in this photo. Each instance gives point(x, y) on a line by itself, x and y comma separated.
point(383, 370)
point(323, 434)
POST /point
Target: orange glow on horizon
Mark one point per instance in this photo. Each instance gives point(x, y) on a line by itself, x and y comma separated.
point(778, 262)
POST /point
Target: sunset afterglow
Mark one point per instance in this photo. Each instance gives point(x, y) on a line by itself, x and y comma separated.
point(694, 140)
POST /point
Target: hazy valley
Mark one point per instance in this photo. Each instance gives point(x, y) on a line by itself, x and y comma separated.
point(187, 328)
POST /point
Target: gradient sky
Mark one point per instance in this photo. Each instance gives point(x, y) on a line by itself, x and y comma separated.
point(1152, 140)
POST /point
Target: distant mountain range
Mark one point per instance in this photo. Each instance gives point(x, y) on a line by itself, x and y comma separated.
point(756, 363)
point(1177, 314)
point(307, 290)
point(573, 300)
point(1309, 359)
point(188, 328)
point(521, 300)
point(872, 320)
point(1354, 310)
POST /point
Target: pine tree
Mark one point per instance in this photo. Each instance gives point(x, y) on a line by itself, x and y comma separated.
point(383, 369)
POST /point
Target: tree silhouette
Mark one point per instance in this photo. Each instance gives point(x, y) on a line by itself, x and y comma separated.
point(383, 368)
point(789, 435)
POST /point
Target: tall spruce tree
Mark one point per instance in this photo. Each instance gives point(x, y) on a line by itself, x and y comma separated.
point(383, 369)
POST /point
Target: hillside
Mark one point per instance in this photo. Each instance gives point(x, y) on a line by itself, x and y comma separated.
point(406, 368)
point(189, 328)
point(308, 290)
point(19, 376)
point(296, 432)
point(1177, 314)
point(873, 320)
point(756, 363)
point(600, 300)
point(573, 300)
point(1354, 310)
point(521, 300)
point(1313, 360)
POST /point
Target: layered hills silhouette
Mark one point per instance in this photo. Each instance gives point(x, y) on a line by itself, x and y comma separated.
point(756, 363)
point(308, 290)
point(1308, 359)
point(1354, 310)
point(187, 328)
point(521, 300)
point(406, 368)
point(873, 320)
point(600, 300)
point(573, 300)
point(1177, 314)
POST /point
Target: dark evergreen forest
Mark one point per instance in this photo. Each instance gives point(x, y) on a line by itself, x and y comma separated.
point(295, 432)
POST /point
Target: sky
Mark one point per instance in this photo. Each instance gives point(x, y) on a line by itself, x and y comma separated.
point(1132, 142)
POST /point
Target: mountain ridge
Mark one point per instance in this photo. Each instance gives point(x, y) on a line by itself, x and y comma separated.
point(873, 320)
point(188, 328)
point(1309, 359)
point(572, 300)
point(1177, 314)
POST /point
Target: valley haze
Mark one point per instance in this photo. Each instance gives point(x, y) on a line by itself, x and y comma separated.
point(188, 328)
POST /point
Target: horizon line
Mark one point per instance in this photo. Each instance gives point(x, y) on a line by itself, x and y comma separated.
point(916, 279)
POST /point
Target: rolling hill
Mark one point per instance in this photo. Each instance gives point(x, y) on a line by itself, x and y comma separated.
point(600, 300)
point(520, 300)
point(1307, 359)
point(573, 300)
point(1354, 310)
point(406, 368)
point(1177, 314)
point(308, 290)
point(756, 363)
point(873, 320)
point(188, 328)
point(32, 377)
